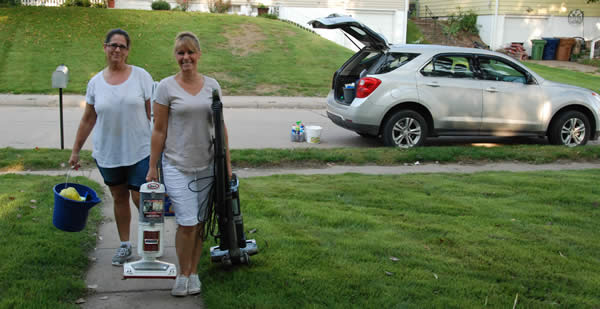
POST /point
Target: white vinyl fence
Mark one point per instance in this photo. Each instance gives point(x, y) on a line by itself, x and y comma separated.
point(50, 2)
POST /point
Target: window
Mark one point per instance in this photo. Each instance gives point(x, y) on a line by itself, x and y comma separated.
point(392, 61)
point(449, 66)
point(500, 70)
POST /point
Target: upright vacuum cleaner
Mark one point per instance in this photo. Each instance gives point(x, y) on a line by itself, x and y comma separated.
point(150, 237)
point(233, 246)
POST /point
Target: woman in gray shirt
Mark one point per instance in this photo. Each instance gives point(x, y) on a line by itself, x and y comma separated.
point(183, 130)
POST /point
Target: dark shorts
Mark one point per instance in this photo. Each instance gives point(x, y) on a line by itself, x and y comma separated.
point(134, 175)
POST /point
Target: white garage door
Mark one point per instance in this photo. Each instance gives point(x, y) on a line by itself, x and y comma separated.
point(381, 22)
point(518, 29)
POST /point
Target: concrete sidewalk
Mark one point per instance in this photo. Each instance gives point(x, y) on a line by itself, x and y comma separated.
point(107, 289)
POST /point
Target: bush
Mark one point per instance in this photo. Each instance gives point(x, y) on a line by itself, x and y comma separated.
point(461, 21)
point(219, 6)
point(269, 16)
point(82, 3)
point(9, 3)
point(468, 22)
point(161, 5)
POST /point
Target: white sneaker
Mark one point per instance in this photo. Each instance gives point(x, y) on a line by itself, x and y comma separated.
point(194, 285)
point(181, 286)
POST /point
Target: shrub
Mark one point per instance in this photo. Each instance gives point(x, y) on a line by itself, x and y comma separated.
point(9, 3)
point(269, 16)
point(161, 5)
point(461, 21)
point(82, 3)
point(468, 22)
point(219, 6)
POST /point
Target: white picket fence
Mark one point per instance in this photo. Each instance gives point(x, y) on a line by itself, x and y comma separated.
point(49, 2)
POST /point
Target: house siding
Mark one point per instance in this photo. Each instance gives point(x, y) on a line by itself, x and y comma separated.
point(350, 4)
point(507, 7)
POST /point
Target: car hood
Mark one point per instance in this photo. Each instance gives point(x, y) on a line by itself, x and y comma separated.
point(551, 84)
point(354, 28)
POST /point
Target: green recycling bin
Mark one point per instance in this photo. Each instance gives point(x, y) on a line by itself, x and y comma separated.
point(537, 49)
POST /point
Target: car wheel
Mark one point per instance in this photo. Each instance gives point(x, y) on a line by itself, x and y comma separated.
point(405, 129)
point(571, 129)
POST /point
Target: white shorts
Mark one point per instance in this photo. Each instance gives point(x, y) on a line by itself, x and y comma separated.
point(190, 207)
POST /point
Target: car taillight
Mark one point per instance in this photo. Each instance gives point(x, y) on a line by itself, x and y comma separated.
point(366, 86)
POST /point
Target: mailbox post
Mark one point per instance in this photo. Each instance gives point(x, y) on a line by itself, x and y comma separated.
point(60, 79)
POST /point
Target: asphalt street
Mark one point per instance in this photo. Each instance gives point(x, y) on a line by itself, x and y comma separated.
point(248, 128)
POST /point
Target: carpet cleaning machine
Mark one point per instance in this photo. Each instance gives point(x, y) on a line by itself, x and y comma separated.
point(151, 222)
point(224, 210)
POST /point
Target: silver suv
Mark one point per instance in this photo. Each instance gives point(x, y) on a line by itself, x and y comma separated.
point(407, 93)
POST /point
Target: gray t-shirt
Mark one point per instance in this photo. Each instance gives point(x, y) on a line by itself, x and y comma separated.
point(190, 129)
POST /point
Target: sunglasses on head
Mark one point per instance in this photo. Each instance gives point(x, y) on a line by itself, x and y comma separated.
point(115, 45)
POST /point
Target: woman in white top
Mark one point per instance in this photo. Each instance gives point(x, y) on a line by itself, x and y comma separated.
point(183, 131)
point(118, 111)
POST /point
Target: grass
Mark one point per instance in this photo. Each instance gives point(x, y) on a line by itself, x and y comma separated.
point(416, 241)
point(353, 241)
point(261, 56)
point(580, 79)
point(413, 34)
point(12, 159)
point(593, 62)
point(40, 266)
point(248, 56)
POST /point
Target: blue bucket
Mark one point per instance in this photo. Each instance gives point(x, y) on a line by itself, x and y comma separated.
point(70, 215)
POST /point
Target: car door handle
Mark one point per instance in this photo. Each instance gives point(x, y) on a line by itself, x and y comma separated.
point(491, 89)
point(433, 84)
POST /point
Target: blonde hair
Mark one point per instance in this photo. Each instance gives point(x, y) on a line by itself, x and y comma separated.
point(187, 39)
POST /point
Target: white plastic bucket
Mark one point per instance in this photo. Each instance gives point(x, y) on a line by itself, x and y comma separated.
point(313, 134)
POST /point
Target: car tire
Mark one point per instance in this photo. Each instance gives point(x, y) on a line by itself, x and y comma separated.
point(571, 128)
point(405, 129)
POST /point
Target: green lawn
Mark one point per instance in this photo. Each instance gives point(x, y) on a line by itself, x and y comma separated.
point(417, 241)
point(249, 56)
point(580, 79)
point(353, 241)
point(41, 266)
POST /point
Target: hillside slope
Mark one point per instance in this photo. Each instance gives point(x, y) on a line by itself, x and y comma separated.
point(247, 55)
point(432, 33)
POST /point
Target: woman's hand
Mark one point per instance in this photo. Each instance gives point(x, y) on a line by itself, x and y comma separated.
point(74, 161)
point(152, 174)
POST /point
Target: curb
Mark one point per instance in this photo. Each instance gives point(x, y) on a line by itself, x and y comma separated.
point(74, 100)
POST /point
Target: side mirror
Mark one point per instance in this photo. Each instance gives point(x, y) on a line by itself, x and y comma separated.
point(530, 80)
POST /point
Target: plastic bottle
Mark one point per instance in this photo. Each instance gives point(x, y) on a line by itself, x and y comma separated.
point(293, 135)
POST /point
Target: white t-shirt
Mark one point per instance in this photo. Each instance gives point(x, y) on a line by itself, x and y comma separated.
point(188, 146)
point(122, 132)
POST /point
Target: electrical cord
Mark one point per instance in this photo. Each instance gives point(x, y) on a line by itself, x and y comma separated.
point(208, 216)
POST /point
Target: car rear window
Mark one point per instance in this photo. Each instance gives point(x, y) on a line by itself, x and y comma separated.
point(392, 61)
